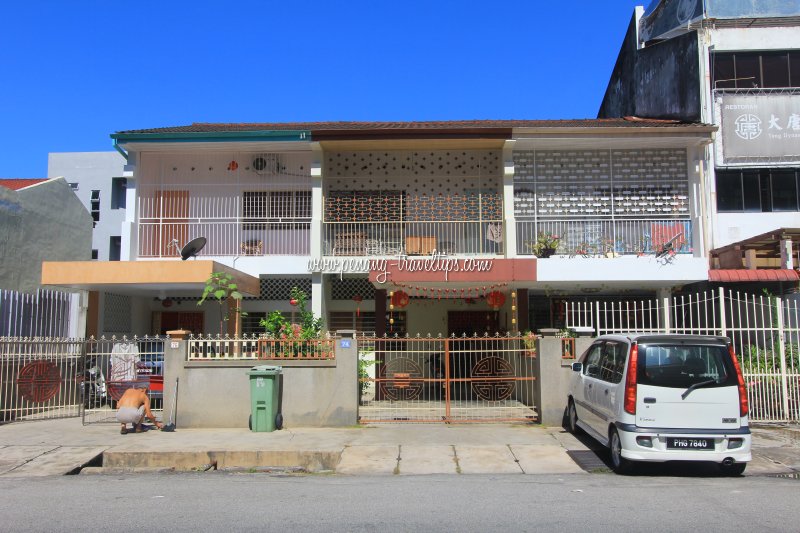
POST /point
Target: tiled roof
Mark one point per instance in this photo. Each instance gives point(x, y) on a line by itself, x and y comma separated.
point(20, 183)
point(742, 275)
point(203, 127)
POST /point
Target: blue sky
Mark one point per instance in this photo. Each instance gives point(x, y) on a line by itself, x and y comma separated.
point(73, 72)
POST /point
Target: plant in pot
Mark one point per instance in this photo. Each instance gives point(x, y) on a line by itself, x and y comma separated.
point(545, 245)
point(529, 341)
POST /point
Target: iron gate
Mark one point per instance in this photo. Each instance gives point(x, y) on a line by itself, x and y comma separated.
point(447, 379)
point(39, 378)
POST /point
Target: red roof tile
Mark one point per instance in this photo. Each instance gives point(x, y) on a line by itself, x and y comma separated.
point(20, 183)
point(202, 127)
point(745, 275)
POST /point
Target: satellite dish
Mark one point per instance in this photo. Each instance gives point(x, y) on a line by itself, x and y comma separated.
point(192, 248)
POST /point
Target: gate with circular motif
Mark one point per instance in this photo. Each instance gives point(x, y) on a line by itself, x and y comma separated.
point(450, 379)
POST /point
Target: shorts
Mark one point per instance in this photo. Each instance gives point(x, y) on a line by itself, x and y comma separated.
point(130, 415)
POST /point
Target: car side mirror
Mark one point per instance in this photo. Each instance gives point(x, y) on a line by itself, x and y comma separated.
point(577, 367)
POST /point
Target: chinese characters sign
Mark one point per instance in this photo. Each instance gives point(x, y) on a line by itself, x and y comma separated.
point(760, 128)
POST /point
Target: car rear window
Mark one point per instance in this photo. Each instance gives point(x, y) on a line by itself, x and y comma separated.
point(681, 366)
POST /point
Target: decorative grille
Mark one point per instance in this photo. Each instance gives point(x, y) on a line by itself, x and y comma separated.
point(346, 289)
point(280, 288)
point(117, 314)
point(419, 163)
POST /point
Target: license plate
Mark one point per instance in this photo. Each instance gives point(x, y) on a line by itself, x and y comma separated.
point(683, 443)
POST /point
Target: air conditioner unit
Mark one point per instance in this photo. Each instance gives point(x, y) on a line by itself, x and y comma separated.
point(266, 164)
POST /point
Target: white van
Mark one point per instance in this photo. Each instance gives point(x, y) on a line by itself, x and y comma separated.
point(662, 398)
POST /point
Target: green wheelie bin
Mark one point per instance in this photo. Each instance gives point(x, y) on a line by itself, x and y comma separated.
point(264, 398)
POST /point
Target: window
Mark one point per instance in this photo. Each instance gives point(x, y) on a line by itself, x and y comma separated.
point(118, 193)
point(746, 70)
point(757, 190)
point(94, 254)
point(612, 361)
point(591, 366)
point(682, 366)
point(95, 207)
point(278, 207)
point(114, 248)
point(364, 322)
point(73, 185)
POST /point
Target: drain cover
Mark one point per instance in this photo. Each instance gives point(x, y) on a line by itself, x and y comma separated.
point(587, 460)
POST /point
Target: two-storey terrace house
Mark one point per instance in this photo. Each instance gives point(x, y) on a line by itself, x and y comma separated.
point(405, 227)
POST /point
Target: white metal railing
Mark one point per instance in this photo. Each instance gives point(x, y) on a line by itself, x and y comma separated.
point(765, 332)
point(413, 238)
point(259, 347)
point(226, 237)
point(602, 237)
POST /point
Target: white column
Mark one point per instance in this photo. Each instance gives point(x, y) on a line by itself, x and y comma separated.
point(129, 240)
point(509, 221)
point(318, 306)
point(664, 296)
point(787, 261)
point(316, 200)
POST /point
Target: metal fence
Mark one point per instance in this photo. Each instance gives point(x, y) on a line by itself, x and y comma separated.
point(446, 379)
point(113, 365)
point(40, 378)
point(40, 314)
point(257, 347)
point(765, 331)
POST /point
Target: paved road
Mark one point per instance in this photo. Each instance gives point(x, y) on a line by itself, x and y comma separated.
point(217, 501)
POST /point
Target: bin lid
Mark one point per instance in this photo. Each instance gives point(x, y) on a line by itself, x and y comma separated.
point(264, 370)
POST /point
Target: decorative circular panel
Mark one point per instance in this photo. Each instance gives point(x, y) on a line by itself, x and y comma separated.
point(401, 379)
point(39, 381)
point(492, 390)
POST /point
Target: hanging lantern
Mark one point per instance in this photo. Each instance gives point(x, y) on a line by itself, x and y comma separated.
point(400, 299)
point(495, 299)
point(233, 165)
point(358, 299)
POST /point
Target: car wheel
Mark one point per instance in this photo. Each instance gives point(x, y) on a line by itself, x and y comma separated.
point(736, 469)
point(572, 419)
point(619, 464)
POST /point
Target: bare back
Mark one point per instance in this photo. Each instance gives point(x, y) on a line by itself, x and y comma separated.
point(133, 398)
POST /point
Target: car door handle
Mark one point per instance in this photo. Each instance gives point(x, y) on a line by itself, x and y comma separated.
point(649, 400)
point(605, 392)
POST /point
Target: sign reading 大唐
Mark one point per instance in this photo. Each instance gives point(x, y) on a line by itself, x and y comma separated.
point(760, 128)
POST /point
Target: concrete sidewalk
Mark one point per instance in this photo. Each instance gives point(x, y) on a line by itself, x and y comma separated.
point(58, 447)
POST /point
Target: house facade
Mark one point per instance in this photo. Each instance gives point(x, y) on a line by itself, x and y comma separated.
point(735, 65)
point(405, 228)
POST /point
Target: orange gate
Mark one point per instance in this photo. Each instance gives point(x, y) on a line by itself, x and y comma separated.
point(447, 379)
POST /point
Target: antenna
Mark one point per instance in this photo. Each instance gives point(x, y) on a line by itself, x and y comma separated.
point(192, 248)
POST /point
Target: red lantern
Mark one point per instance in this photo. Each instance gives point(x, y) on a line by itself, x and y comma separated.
point(293, 302)
point(495, 299)
point(400, 299)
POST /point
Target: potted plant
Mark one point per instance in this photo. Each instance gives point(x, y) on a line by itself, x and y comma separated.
point(545, 245)
point(529, 341)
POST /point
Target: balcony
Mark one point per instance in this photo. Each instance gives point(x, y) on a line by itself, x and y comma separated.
point(608, 237)
point(393, 223)
point(233, 237)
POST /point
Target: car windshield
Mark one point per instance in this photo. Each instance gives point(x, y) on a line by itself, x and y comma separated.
point(682, 366)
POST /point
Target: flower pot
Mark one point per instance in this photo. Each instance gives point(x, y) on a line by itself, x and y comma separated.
point(546, 252)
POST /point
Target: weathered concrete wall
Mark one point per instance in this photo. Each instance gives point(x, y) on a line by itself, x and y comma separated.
point(617, 101)
point(661, 81)
point(553, 374)
point(216, 393)
point(41, 222)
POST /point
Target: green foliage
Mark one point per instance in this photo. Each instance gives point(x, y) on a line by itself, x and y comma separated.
point(294, 337)
point(544, 241)
point(363, 371)
point(221, 288)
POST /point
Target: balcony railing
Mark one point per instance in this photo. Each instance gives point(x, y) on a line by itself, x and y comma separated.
point(226, 237)
point(608, 237)
point(417, 238)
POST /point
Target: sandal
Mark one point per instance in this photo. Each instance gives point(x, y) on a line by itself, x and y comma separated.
point(123, 431)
